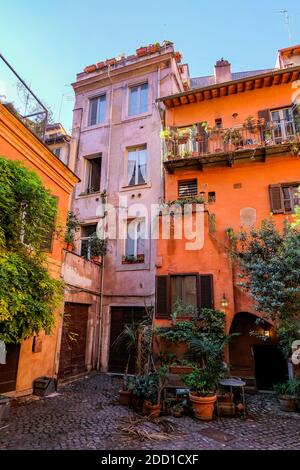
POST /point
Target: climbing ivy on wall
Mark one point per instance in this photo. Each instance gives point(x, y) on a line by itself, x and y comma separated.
point(28, 293)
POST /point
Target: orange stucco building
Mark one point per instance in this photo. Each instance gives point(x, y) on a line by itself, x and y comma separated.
point(23, 365)
point(234, 140)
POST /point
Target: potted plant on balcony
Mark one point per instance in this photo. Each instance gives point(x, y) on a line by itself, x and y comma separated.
point(154, 48)
point(181, 367)
point(286, 393)
point(110, 62)
point(141, 51)
point(233, 136)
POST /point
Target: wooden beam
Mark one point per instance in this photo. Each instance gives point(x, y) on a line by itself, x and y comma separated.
point(176, 101)
point(258, 83)
point(223, 91)
point(207, 95)
point(232, 89)
point(192, 98)
point(249, 85)
point(241, 87)
point(199, 96)
point(267, 81)
point(286, 77)
point(184, 100)
point(216, 93)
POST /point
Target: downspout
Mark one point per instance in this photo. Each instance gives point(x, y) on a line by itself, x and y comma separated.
point(59, 333)
point(99, 359)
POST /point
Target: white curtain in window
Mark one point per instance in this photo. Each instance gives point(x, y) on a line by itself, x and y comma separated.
point(143, 164)
point(131, 167)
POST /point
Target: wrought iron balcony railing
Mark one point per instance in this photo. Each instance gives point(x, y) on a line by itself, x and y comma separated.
point(199, 140)
point(19, 99)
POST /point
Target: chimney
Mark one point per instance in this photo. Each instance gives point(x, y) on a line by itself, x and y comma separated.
point(222, 71)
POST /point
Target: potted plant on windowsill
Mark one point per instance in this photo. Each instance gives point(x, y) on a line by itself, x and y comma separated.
point(131, 259)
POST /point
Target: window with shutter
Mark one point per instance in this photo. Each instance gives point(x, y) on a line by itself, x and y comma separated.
point(205, 291)
point(276, 199)
point(284, 197)
point(187, 188)
point(191, 289)
point(162, 309)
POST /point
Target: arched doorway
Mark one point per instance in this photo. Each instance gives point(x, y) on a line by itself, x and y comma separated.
point(258, 361)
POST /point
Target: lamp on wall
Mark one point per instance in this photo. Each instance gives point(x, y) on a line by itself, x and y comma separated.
point(224, 302)
point(266, 333)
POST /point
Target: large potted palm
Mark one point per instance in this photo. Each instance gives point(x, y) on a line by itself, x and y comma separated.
point(127, 341)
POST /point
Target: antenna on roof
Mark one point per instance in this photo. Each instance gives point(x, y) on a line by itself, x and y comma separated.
point(287, 22)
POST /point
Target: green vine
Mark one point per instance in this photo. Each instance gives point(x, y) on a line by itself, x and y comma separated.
point(28, 294)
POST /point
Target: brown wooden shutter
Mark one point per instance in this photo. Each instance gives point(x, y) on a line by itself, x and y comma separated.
point(205, 291)
point(264, 114)
point(162, 309)
point(276, 199)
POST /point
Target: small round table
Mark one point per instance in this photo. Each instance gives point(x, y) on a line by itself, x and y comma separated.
point(233, 382)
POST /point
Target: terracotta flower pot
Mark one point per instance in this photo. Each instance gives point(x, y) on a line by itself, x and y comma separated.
point(124, 397)
point(203, 407)
point(180, 369)
point(153, 411)
point(110, 61)
point(287, 402)
point(90, 68)
point(101, 65)
point(141, 51)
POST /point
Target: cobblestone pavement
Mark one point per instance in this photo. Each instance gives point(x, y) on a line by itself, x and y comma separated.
point(86, 414)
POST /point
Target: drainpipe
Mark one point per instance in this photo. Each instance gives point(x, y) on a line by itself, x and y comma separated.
point(99, 359)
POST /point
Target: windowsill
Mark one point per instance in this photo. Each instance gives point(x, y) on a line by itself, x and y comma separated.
point(136, 186)
point(86, 195)
point(136, 117)
point(95, 126)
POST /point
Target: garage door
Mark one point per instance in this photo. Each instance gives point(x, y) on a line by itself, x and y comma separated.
point(120, 316)
point(8, 371)
point(73, 341)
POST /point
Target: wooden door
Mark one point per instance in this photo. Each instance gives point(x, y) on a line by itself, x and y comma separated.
point(120, 316)
point(8, 371)
point(73, 342)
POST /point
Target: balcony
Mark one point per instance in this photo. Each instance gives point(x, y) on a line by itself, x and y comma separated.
point(20, 100)
point(254, 139)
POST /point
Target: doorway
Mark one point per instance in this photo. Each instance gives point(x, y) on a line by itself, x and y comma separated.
point(270, 366)
point(8, 371)
point(120, 316)
point(73, 341)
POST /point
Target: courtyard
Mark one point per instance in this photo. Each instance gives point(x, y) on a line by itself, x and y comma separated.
point(86, 415)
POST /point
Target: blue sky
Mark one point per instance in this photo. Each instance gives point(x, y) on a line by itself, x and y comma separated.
point(48, 42)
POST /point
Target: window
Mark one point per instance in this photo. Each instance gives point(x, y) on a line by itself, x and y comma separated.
point(57, 151)
point(285, 127)
point(192, 289)
point(137, 166)
point(187, 188)
point(185, 289)
point(93, 174)
point(97, 110)
point(284, 197)
point(138, 99)
point(211, 197)
point(86, 232)
point(218, 123)
point(135, 239)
